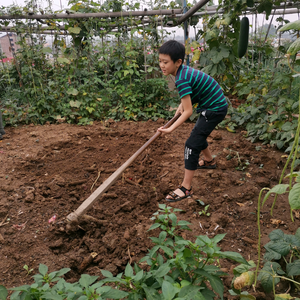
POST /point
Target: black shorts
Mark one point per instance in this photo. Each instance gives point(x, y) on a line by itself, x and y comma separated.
point(206, 123)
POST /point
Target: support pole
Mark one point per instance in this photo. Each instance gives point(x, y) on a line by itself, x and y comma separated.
point(186, 30)
point(191, 11)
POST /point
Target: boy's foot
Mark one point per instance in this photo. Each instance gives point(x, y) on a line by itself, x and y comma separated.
point(205, 164)
point(179, 194)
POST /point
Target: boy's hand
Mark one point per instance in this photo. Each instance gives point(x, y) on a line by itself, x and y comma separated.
point(179, 109)
point(164, 130)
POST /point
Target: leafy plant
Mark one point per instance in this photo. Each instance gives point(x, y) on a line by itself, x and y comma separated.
point(166, 220)
point(204, 212)
point(100, 74)
point(243, 277)
point(174, 268)
point(25, 267)
point(282, 260)
point(45, 287)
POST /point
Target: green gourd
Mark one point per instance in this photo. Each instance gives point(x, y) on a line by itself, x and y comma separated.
point(244, 37)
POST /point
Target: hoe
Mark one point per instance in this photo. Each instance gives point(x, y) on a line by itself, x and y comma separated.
point(87, 204)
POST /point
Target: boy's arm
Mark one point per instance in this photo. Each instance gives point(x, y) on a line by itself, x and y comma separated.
point(187, 110)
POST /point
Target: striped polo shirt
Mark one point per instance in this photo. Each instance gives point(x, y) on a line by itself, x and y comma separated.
point(203, 89)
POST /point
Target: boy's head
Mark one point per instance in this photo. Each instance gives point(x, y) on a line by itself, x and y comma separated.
point(171, 57)
point(174, 49)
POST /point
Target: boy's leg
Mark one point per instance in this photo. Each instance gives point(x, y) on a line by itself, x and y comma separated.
point(207, 156)
point(187, 181)
point(195, 144)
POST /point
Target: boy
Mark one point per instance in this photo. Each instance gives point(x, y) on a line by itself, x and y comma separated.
point(194, 87)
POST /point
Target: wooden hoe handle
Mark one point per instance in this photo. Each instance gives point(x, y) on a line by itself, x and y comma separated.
point(82, 209)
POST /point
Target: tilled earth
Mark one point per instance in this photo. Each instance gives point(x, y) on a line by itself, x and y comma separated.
point(46, 172)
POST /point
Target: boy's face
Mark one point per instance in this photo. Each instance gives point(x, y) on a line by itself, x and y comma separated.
point(167, 65)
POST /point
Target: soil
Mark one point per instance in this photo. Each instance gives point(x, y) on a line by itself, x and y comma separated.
point(50, 170)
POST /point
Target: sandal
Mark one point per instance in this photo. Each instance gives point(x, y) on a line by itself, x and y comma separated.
point(207, 164)
point(175, 197)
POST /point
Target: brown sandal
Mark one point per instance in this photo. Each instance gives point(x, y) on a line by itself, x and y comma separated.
point(175, 197)
point(207, 164)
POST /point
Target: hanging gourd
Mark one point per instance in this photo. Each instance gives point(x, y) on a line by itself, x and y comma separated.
point(244, 37)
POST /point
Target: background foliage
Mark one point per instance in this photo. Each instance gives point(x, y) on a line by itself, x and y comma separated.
point(99, 72)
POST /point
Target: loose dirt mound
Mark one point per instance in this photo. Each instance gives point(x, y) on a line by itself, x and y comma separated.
point(50, 170)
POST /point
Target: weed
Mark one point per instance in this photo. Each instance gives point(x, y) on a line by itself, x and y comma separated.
point(204, 212)
point(27, 269)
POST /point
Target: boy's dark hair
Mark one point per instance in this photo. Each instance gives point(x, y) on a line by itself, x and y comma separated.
point(173, 48)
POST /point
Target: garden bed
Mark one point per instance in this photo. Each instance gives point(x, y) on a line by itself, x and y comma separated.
point(50, 170)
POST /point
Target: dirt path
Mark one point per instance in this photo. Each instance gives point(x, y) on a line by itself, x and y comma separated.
point(50, 170)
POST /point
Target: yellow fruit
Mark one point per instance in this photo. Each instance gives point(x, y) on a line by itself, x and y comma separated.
point(230, 130)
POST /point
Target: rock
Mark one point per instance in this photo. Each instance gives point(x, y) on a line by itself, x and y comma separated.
point(216, 135)
point(191, 201)
point(222, 165)
point(111, 268)
point(263, 182)
point(219, 219)
point(57, 244)
point(110, 241)
point(29, 198)
point(127, 234)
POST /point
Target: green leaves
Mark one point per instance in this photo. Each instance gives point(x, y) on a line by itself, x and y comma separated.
point(294, 196)
point(3, 292)
point(86, 280)
point(234, 256)
point(43, 269)
point(219, 54)
point(74, 30)
point(281, 246)
point(192, 274)
point(291, 26)
point(72, 91)
point(294, 47)
point(168, 290)
point(63, 60)
point(75, 103)
point(277, 189)
point(47, 50)
point(293, 269)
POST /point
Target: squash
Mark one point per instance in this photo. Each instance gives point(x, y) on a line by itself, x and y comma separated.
point(244, 37)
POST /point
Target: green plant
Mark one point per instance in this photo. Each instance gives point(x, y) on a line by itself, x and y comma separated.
point(243, 277)
point(204, 212)
point(281, 260)
point(27, 269)
point(166, 220)
point(179, 268)
point(99, 74)
point(44, 287)
point(174, 268)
